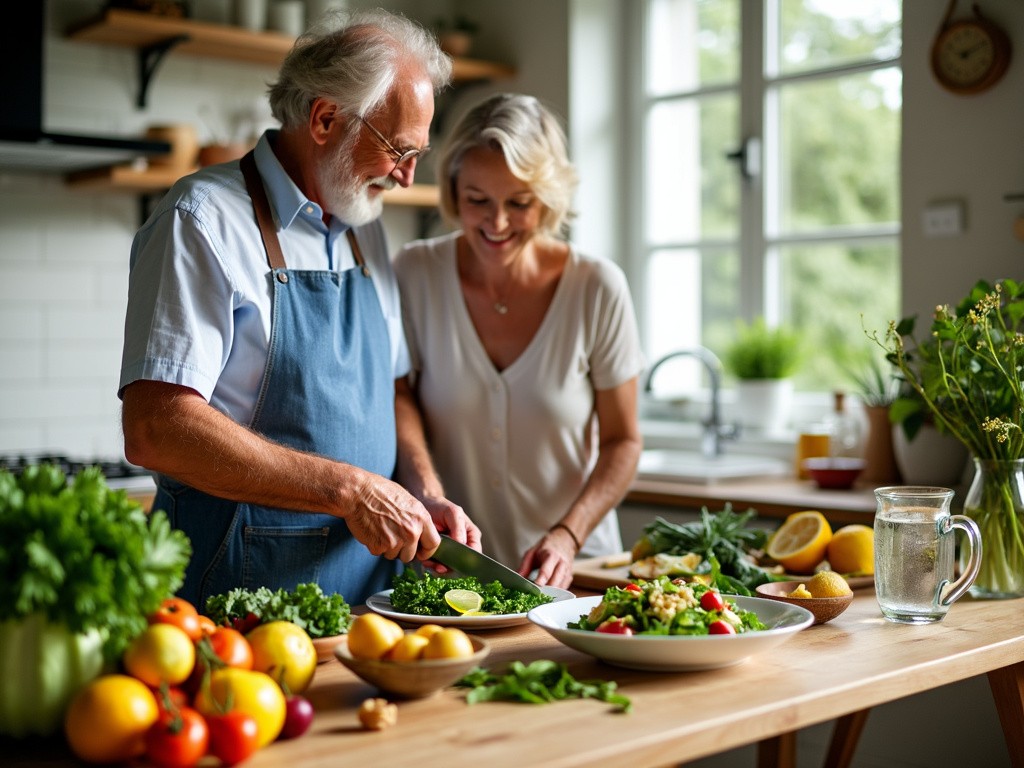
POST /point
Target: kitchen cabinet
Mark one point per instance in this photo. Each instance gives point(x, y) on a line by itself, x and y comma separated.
point(154, 37)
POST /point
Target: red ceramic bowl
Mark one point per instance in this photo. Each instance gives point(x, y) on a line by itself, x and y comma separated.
point(836, 473)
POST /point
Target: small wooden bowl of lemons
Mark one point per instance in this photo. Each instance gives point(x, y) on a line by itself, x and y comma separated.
point(823, 595)
point(409, 665)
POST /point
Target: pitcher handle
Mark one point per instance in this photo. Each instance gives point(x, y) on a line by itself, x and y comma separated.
point(948, 525)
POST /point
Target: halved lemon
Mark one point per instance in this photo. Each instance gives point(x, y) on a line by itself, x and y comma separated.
point(800, 542)
point(463, 600)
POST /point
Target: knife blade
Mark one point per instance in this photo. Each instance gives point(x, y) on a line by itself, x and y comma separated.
point(469, 562)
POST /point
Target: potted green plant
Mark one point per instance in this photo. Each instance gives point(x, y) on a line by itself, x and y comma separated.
point(878, 389)
point(763, 359)
point(967, 373)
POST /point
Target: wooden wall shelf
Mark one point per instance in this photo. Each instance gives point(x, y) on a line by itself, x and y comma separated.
point(153, 37)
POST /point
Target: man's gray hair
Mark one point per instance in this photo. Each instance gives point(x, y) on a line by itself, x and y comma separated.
point(353, 58)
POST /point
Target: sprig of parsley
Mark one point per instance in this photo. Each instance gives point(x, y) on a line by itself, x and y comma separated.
point(83, 555)
point(539, 682)
point(307, 606)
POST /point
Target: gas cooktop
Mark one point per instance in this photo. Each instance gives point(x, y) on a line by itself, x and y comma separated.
point(118, 472)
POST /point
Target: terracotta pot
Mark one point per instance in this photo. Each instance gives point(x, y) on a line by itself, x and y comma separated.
point(879, 455)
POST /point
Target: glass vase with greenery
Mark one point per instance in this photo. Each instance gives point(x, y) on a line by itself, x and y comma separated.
point(967, 374)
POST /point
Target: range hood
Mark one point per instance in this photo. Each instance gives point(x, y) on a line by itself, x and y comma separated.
point(24, 144)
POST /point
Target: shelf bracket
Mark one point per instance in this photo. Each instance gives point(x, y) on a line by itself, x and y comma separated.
point(149, 59)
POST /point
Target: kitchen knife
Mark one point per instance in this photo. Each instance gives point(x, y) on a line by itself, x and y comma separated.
point(469, 562)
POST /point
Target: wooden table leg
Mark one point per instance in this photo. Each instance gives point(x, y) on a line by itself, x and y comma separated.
point(845, 735)
point(1007, 686)
point(777, 752)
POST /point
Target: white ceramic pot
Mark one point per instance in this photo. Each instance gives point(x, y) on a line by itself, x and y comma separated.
point(763, 405)
point(931, 458)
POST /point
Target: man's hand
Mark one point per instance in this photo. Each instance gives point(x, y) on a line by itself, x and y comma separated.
point(389, 521)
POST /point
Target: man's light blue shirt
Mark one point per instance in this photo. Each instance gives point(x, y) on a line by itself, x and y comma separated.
point(199, 293)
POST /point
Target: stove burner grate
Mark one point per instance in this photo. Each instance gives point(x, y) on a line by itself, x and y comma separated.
point(111, 468)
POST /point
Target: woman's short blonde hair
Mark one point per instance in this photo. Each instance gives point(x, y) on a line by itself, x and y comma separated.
point(533, 144)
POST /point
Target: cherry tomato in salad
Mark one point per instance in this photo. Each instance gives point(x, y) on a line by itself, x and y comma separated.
point(712, 601)
point(234, 736)
point(721, 628)
point(631, 587)
point(179, 613)
point(178, 739)
point(614, 626)
point(298, 716)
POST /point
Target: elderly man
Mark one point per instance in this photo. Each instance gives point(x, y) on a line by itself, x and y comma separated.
point(263, 372)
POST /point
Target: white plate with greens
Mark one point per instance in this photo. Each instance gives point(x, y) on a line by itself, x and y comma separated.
point(673, 653)
point(381, 603)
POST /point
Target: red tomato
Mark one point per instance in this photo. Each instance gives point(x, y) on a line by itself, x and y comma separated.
point(615, 626)
point(180, 613)
point(721, 628)
point(631, 587)
point(231, 647)
point(233, 736)
point(712, 601)
point(178, 739)
point(175, 697)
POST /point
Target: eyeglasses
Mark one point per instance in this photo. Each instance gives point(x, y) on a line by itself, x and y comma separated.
point(397, 155)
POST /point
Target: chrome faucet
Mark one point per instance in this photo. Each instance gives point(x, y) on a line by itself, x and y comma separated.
point(714, 430)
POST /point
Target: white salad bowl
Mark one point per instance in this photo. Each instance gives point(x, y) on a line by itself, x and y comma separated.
point(673, 653)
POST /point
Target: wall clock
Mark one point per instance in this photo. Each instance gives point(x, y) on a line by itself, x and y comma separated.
point(970, 55)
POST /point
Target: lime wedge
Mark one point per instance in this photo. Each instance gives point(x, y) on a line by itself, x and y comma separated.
point(463, 600)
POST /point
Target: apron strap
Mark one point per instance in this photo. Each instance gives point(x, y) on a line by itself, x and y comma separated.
point(261, 207)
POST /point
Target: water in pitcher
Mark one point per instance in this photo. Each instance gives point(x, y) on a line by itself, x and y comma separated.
point(911, 561)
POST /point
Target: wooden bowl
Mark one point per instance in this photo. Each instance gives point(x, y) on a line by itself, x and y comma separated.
point(837, 473)
point(823, 608)
point(412, 679)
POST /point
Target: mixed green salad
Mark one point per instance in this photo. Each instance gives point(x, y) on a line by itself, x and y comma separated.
point(423, 595)
point(666, 607)
point(320, 614)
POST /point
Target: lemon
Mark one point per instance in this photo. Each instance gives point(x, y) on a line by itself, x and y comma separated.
point(409, 648)
point(800, 591)
point(372, 635)
point(827, 584)
point(463, 600)
point(852, 550)
point(428, 630)
point(801, 541)
point(449, 643)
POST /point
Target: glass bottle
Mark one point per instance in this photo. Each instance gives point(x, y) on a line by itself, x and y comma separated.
point(844, 429)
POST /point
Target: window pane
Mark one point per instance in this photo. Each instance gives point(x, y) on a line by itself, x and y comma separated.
point(692, 297)
point(691, 44)
point(826, 288)
point(816, 34)
point(839, 154)
point(692, 189)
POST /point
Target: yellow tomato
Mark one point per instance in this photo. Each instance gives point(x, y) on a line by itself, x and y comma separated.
point(449, 643)
point(245, 690)
point(107, 720)
point(372, 635)
point(285, 652)
point(162, 653)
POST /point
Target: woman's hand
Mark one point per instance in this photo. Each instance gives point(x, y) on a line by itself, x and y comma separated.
point(552, 558)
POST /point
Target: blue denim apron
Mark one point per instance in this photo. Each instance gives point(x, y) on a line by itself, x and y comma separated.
point(328, 389)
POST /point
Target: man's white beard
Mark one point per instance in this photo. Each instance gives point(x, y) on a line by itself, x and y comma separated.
point(345, 195)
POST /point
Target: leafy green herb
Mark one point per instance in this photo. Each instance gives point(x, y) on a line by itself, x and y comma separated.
point(83, 555)
point(539, 682)
point(424, 595)
point(307, 606)
point(724, 537)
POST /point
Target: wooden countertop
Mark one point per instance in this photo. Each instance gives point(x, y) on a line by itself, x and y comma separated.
point(674, 720)
point(771, 497)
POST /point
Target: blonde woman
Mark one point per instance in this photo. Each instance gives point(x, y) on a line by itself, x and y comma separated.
point(525, 352)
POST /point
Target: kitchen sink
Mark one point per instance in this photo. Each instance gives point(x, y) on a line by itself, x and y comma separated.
point(694, 467)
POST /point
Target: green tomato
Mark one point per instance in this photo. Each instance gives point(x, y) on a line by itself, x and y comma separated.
point(42, 666)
